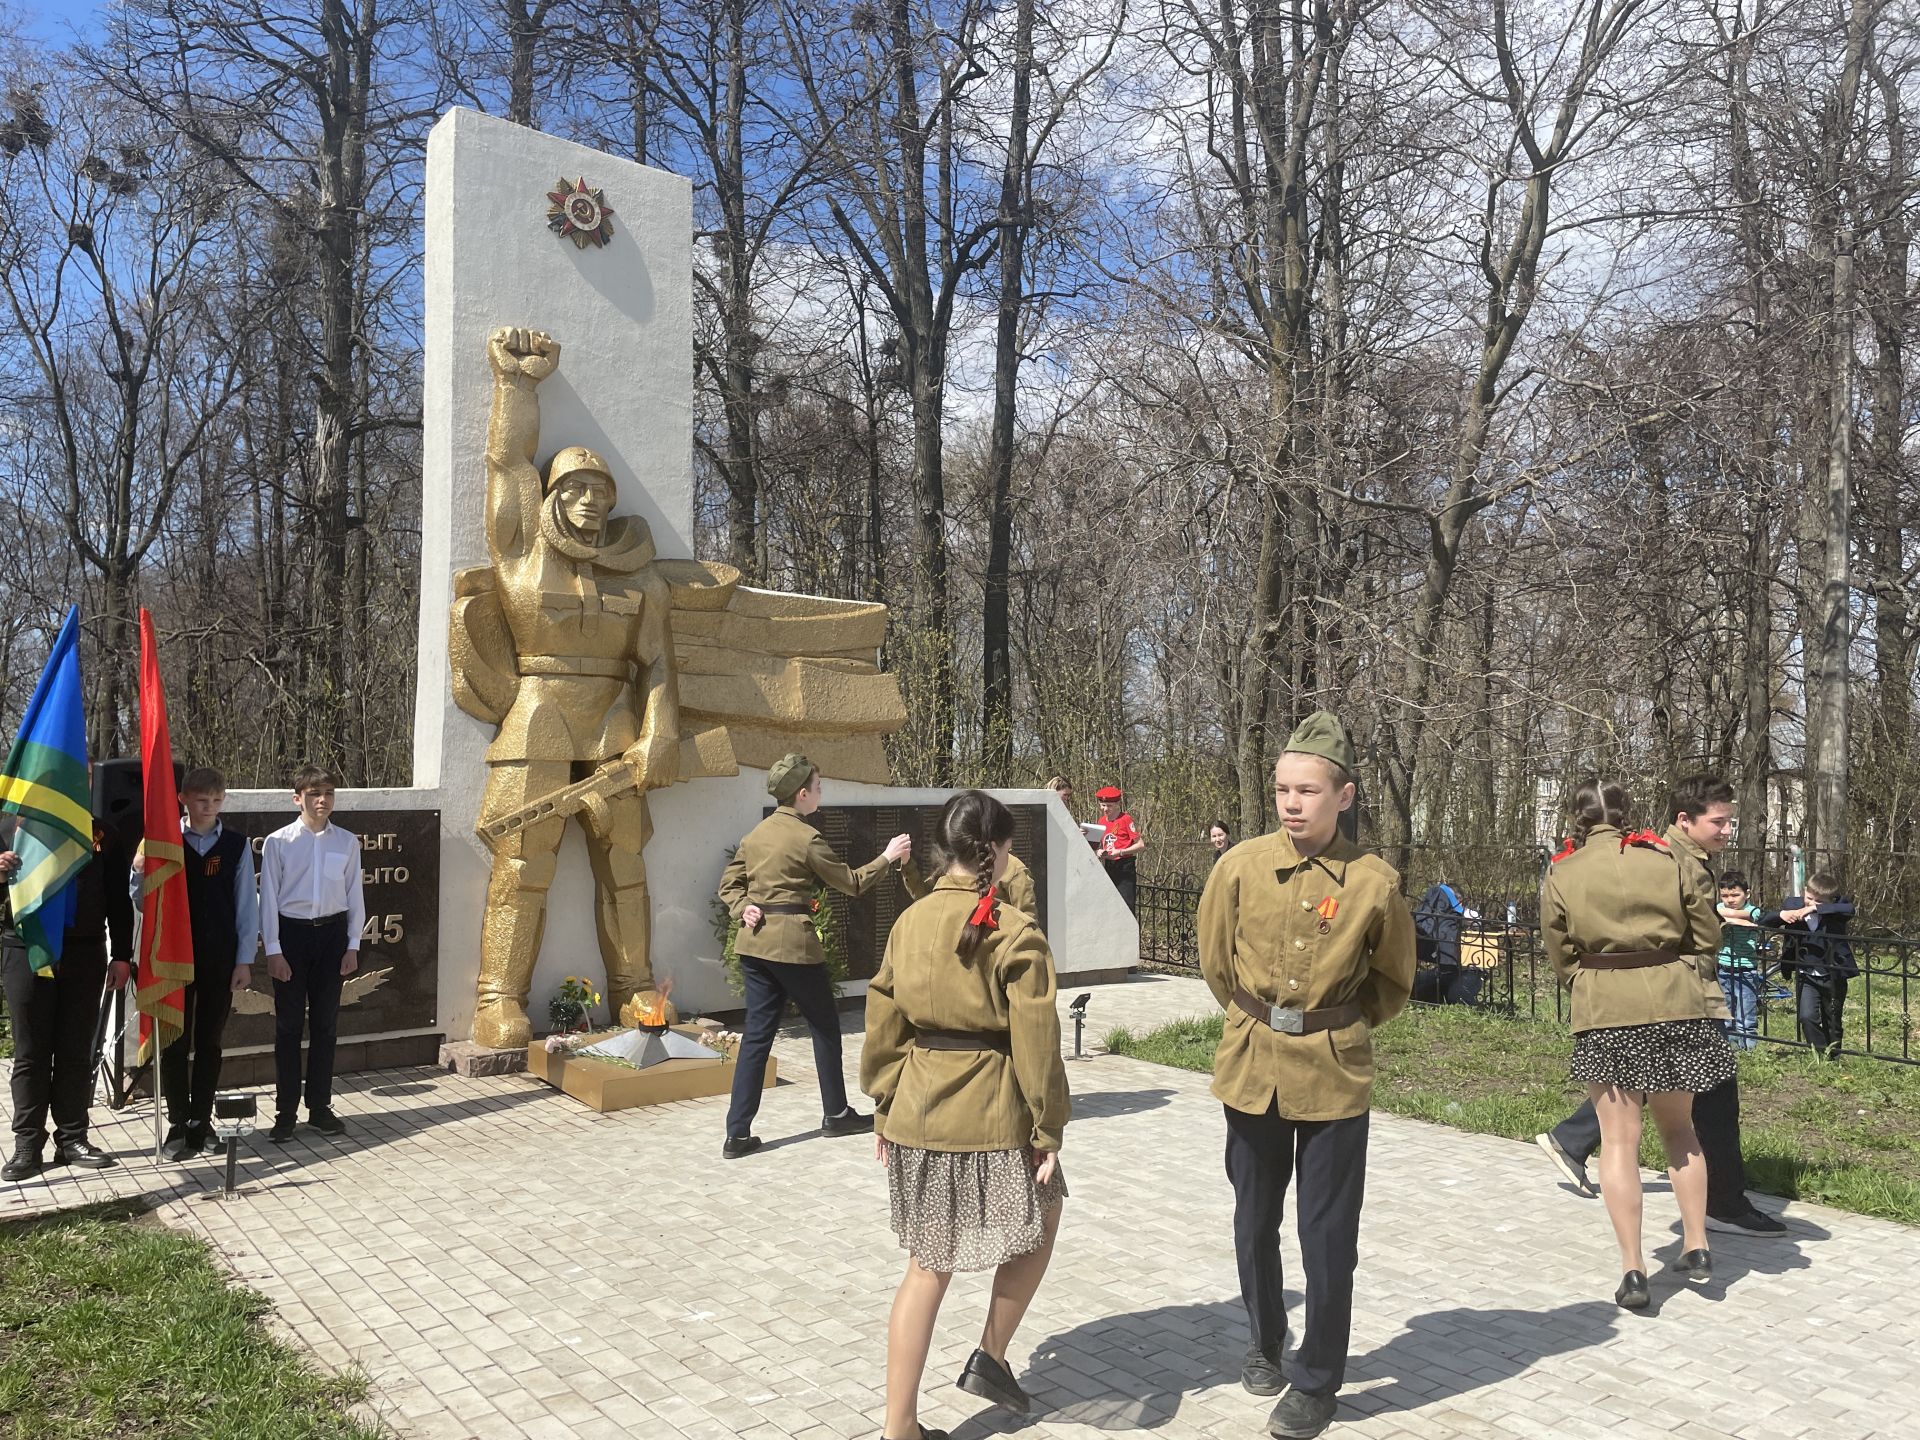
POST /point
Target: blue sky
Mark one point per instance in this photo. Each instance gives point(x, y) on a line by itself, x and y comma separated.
point(56, 20)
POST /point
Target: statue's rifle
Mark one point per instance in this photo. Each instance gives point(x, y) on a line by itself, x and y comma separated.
point(614, 778)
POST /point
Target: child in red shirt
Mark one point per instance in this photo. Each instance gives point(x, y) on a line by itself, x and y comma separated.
point(1120, 845)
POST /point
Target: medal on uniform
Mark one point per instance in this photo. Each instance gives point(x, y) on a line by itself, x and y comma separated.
point(1326, 910)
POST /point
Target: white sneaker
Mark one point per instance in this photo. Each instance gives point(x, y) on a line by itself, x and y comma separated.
point(1572, 1169)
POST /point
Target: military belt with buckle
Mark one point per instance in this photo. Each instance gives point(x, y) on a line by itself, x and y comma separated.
point(1289, 1020)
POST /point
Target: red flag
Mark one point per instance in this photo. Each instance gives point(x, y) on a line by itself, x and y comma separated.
point(166, 934)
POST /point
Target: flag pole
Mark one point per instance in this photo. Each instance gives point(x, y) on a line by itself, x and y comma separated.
point(153, 1069)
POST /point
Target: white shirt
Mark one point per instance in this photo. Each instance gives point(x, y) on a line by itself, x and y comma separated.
point(305, 876)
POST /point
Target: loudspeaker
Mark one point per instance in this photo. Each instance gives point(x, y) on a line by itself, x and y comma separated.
point(119, 800)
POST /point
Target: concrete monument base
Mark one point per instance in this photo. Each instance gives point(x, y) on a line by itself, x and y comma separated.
point(464, 1057)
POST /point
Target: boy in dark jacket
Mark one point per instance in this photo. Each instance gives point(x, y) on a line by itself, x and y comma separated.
point(1818, 958)
point(224, 909)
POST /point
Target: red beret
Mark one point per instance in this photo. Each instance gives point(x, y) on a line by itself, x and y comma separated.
point(1107, 792)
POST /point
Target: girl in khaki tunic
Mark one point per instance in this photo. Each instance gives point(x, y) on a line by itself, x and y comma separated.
point(962, 1059)
point(1624, 929)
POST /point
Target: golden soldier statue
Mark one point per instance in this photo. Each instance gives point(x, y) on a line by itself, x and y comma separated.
point(568, 643)
point(594, 651)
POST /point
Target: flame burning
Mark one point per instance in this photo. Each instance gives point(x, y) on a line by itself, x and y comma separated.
point(656, 1013)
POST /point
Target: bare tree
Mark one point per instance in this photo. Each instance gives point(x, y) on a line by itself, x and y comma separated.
point(289, 99)
point(884, 92)
point(1511, 240)
point(111, 231)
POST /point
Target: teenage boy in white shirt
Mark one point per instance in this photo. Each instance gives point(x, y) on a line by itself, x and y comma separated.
point(312, 909)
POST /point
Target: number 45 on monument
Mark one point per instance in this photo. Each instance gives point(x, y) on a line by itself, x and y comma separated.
point(383, 928)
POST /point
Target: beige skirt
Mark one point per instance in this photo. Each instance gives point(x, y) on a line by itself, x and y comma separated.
point(969, 1209)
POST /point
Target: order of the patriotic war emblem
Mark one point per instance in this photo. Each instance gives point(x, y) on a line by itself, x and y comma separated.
point(579, 214)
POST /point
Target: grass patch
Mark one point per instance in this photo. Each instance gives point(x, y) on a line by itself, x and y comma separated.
point(115, 1326)
point(1844, 1133)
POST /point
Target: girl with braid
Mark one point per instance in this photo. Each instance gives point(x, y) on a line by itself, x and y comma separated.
point(962, 1059)
point(1626, 927)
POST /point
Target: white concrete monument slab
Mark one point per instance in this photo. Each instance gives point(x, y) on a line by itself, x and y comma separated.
point(623, 315)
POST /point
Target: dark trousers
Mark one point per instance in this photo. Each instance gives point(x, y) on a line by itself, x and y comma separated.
point(1716, 1120)
point(770, 985)
point(53, 1020)
point(1819, 1004)
point(1328, 1159)
point(310, 1001)
point(190, 1066)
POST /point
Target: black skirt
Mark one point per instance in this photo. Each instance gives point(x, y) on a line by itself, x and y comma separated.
point(1690, 1055)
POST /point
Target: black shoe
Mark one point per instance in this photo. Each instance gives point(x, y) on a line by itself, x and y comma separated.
point(1299, 1416)
point(1572, 1169)
point(1755, 1223)
point(190, 1142)
point(990, 1380)
point(79, 1152)
point(740, 1145)
point(1260, 1375)
point(848, 1122)
point(282, 1130)
point(1697, 1263)
point(25, 1164)
point(327, 1123)
point(1633, 1293)
point(926, 1434)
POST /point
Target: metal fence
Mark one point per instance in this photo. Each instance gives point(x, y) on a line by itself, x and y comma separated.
point(1884, 883)
point(1503, 968)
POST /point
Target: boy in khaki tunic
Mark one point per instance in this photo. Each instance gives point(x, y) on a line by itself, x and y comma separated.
point(768, 887)
point(1308, 945)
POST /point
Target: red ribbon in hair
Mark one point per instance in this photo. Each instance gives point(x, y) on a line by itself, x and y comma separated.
point(1565, 850)
point(1643, 837)
point(983, 912)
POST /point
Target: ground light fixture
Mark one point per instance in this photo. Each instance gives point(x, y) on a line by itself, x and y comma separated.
point(1078, 1009)
point(233, 1116)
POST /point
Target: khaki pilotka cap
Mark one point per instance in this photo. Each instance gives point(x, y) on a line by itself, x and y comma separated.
point(1322, 734)
point(789, 776)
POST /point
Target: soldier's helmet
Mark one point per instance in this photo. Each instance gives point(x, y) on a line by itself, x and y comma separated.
point(573, 460)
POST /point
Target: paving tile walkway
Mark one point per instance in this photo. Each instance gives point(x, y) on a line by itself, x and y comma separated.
point(504, 1263)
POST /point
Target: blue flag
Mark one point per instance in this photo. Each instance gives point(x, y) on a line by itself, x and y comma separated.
point(45, 783)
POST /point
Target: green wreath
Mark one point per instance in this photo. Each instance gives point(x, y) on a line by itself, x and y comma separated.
point(826, 929)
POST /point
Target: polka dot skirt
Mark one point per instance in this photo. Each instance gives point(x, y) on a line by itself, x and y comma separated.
point(1691, 1055)
point(968, 1210)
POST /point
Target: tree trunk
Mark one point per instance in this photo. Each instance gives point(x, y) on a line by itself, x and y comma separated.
point(923, 351)
point(1263, 643)
point(116, 641)
point(637, 25)
point(525, 25)
point(1761, 482)
point(1829, 700)
point(1512, 279)
point(342, 178)
point(1274, 122)
point(742, 464)
point(1891, 305)
point(996, 718)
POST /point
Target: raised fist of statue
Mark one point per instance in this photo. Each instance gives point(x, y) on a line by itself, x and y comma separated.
point(532, 353)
